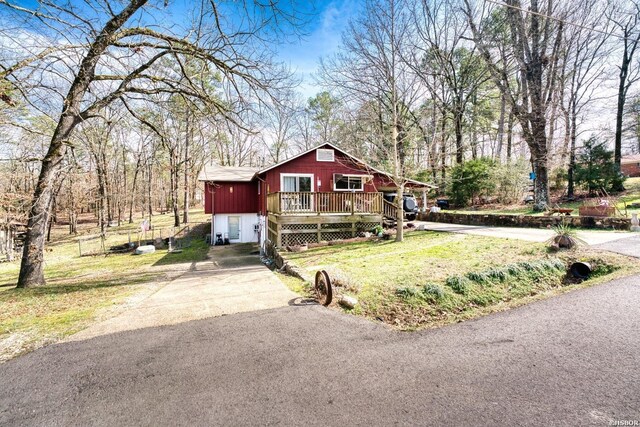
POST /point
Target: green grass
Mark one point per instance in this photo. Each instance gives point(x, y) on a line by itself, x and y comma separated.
point(432, 278)
point(79, 288)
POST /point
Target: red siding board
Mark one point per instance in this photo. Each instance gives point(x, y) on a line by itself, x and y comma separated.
point(630, 169)
point(323, 171)
point(250, 197)
point(233, 197)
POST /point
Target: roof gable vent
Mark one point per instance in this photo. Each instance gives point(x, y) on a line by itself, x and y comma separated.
point(325, 155)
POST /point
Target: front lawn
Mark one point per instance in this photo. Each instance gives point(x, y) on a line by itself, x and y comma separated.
point(81, 288)
point(433, 278)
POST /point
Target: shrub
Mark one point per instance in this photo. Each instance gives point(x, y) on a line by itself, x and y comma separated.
point(596, 170)
point(479, 277)
point(470, 180)
point(497, 274)
point(510, 181)
point(431, 289)
point(459, 284)
point(407, 291)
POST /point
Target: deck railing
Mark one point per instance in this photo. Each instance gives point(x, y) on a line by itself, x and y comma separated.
point(318, 203)
point(390, 210)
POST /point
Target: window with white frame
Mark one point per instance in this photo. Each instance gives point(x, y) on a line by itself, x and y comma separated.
point(325, 155)
point(348, 182)
point(296, 182)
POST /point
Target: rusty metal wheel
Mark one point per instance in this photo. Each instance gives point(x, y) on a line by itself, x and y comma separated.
point(324, 293)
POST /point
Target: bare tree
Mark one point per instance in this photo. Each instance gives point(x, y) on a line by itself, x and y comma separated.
point(445, 59)
point(279, 125)
point(369, 69)
point(536, 39)
point(626, 18)
point(106, 60)
point(586, 62)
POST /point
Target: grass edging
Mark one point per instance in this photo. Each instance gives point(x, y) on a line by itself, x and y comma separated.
point(433, 279)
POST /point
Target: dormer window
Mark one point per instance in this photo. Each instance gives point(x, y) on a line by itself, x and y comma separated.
point(325, 155)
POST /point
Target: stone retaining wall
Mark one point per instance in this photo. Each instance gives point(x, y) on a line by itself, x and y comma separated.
point(526, 220)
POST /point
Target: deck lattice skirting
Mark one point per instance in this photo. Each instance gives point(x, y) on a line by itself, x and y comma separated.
point(299, 230)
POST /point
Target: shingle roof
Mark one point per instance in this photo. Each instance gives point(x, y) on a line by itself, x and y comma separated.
point(217, 173)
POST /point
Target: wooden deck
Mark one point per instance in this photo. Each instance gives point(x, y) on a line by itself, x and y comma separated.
point(296, 218)
point(309, 203)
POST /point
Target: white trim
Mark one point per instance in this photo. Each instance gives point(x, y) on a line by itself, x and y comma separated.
point(362, 182)
point(305, 175)
point(326, 150)
point(213, 230)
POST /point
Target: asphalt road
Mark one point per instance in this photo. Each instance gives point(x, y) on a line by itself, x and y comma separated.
point(570, 360)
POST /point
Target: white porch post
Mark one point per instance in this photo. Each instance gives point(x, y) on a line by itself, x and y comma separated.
point(424, 200)
point(213, 229)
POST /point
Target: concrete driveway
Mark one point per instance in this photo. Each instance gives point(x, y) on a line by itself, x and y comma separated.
point(629, 246)
point(529, 234)
point(232, 280)
point(570, 360)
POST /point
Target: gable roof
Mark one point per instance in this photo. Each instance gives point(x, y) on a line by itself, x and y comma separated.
point(355, 159)
point(630, 159)
point(217, 173)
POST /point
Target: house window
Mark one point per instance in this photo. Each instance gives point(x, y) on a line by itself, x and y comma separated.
point(348, 182)
point(325, 155)
point(296, 182)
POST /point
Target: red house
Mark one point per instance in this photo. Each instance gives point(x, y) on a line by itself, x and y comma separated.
point(630, 165)
point(321, 194)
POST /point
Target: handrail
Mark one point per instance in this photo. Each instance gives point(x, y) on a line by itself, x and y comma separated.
point(289, 202)
point(390, 210)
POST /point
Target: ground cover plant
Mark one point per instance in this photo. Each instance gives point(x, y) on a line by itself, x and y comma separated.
point(79, 289)
point(434, 278)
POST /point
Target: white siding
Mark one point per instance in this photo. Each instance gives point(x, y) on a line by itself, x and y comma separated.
point(247, 223)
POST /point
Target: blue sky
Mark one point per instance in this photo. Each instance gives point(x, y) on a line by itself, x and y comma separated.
point(323, 31)
point(324, 21)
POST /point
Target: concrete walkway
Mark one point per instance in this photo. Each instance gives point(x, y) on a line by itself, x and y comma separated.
point(232, 280)
point(529, 234)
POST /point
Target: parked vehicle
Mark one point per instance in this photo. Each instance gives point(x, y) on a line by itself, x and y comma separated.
point(409, 204)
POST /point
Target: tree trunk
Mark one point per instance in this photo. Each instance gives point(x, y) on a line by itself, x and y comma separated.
point(509, 136)
point(52, 217)
point(458, 131)
point(617, 151)
point(572, 150)
point(73, 217)
point(400, 190)
point(443, 149)
point(503, 108)
point(149, 185)
point(538, 148)
point(185, 214)
point(173, 182)
point(133, 187)
point(32, 264)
